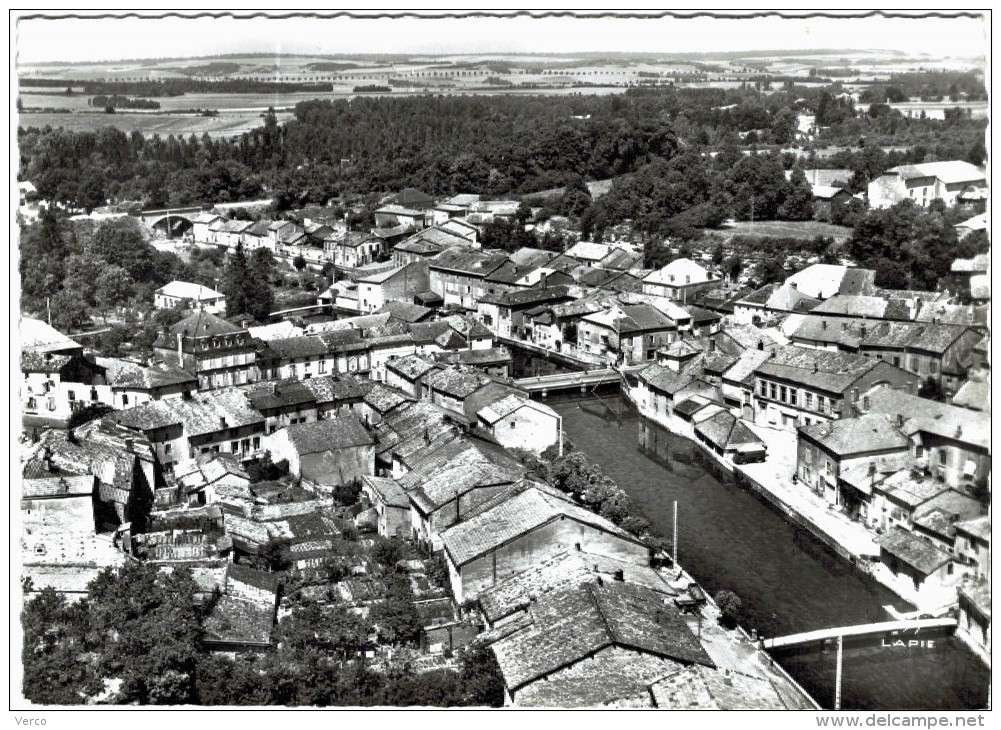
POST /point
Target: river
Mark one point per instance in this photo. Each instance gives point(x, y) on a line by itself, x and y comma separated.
point(788, 582)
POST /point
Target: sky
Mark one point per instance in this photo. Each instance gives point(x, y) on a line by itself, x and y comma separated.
point(95, 39)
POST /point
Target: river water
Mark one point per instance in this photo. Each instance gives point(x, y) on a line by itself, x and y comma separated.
point(788, 582)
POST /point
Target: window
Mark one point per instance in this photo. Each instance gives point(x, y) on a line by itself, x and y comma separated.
point(919, 451)
point(71, 395)
point(782, 393)
point(808, 400)
point(257, 442)
point(943, 457)
point(322, 366)
point(792, 396)
point(821, 402)
point(512, 424)
point(31, 404)
point(125, 399)
point(166, 448)
point(51, 403)
point(93, 393)
point(896, 360)
point(235, 447)
point(933, 367)
point(771, 390)
point(763, 387)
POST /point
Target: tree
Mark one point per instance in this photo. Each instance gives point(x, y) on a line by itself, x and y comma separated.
point(387, 551)
point(396, 617)
point(145, 626)
point(729, 607)
point(733, 266)
point(798, 203)
point(57, 668)
point(235, 281)
point(114, 287)
point(299, 262)
point(931, 389)
point(575, 198)
point(482, 679)
point(769, 270)
point(718, 254)
point(784, 126)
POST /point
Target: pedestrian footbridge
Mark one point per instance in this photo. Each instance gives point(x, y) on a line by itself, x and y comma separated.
point(891, 629)
point(563, 381)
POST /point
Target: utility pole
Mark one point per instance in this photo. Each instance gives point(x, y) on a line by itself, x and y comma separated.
point(48, 308)
point(675, 546)
point(837, 680)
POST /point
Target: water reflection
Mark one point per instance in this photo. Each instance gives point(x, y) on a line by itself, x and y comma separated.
point(788, 580)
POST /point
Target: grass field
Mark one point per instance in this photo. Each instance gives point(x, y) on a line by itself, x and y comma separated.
point(786, 229)
point(224, 125)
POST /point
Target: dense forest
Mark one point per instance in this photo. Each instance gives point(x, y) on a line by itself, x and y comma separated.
point(498, 146)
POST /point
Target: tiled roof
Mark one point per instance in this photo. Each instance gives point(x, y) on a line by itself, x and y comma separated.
point(336, 388)
point(568, 626)
point(572, 568)
point(978, 527)
point(613, 677)
point(516, 517)
point(979, 263)
point(43, 362)
point(202, 413)
point(257, 578)
point(410, 367)
point(528, 297)
point(953, 314)
point(484, 356)
point(61, 486)
point(389, 491)
point(742, 372)
point(979, 594)
point(406, 311)
point(853, 305)
point(904, 488)
point(941, 419)
point(329, 434)
point(661, 378)
point(504, 407)
point(913, 550)
point(748, 336)
point(383, 399)
point(124, 374)
point(851, 436)
point(303, 346)
point(467, 261)
point(203, 324)
point(456, 382)
point(700, 688)
point(279, 394)
point(239, 621)
point(837, 370)
point(276, 331)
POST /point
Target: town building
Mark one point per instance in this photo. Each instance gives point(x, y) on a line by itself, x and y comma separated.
point(401, 284)
point(458, 275)
point(679, 280)
point(798, 386)
point(517, 422)
point(217, 352)
point(190, 296)
point(330, 452)
point(921, 184)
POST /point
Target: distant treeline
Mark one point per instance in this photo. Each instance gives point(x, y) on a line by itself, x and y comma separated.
point(372, 87)
point(178, 87)
point(123, 102)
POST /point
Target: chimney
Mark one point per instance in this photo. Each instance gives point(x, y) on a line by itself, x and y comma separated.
point(863, 330)
point(865, 403)
point(823, 324)
point(712, 345)
point(222, 421)
point(620, 575)
point(959, 431)
point(794, 285)
point(128, 445)
point(816, 367)
point(600, 581)
point(900, 420)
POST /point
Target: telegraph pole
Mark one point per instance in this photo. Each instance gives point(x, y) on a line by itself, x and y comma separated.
point(837, 679)
point(675, 546)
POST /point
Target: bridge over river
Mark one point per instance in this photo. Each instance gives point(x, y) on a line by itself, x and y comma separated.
point(889, 629)
point(585, 379)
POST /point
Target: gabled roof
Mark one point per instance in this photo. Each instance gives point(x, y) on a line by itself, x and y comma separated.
point(41, 337)
point(514, 518)
point(571, 625)
point(302, 346)
point(203, 324)
point(861, 435)
point(833, 372)
point(568, 569)
point(679, 273)
point(388, 490)
point(948, 171)
point(915, 551)
point(329, 434)
point(467, 261)
point(941, 419)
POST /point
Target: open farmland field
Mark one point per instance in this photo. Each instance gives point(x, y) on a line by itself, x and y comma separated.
point(786, 229)
point(224, 125)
